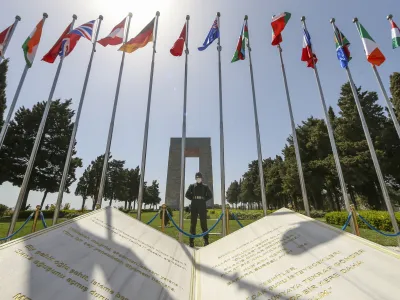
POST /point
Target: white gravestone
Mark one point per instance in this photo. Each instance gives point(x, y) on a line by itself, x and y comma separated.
point(108, 255)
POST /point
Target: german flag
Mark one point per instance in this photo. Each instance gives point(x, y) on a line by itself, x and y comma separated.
point(141, 40)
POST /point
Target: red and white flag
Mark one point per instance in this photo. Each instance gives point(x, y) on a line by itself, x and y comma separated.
point(116, 36)
point(4, 38)
point(177, 49)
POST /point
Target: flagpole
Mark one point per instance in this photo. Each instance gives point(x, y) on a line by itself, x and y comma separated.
point(260, 166)
point(378, 78)
point(332, 139)
point(295, 142)
point(17, 92)
point(35, 149)
point(111, 128)
point(371, 149)
point(17, 19)
point(146, 129)
point(75, 129)
point(183, 141)
point(221, 129)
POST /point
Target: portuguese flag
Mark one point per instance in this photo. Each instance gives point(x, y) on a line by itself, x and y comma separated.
point(31, 43)
point(241, 46)
point(141, 40)
point(278, 24)
point(374, 55)
point(395, 35)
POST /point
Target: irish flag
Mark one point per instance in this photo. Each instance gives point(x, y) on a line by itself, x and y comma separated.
point(374, 55)
point(31, 43)
point(395, 35)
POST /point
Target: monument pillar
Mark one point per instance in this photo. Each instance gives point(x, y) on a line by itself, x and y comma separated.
point(195, 147)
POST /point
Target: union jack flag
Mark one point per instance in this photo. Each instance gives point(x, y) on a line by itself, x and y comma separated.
point(72, 38)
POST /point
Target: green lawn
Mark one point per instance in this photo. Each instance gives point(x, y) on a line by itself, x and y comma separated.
point(370, 235)
point(5, 223)
point(171, 231)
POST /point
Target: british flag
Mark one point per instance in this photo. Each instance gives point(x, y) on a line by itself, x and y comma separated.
point(72, 38)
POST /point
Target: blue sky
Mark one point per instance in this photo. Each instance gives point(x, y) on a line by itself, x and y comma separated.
point(202, 110)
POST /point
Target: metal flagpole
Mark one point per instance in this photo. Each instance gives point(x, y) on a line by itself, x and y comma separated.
point(35, 149)
point(332, 139)
point(260, 166)
point(183, 141)
point(371, 149)
point(111, 129)
point(16, 95)
point(378, 77)
point(221, 129)
point(17, 19)
point(295, 142)
point(146, 128)
point(75, 129)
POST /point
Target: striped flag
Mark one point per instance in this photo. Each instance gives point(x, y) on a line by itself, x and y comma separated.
point(141, 40)
point(374, 55)
point(395, 35)
point(4, 38)
point(31, 43)
point(307, 54)
point(116, 35)
point(240, 53)
point(72, 38)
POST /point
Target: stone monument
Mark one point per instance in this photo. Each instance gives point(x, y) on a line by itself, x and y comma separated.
point(195, 147)
point(109, 255)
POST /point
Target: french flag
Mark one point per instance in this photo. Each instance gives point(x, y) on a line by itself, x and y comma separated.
point(307, 55)
point(116, 36)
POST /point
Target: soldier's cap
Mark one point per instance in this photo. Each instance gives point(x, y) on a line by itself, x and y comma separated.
point(199, 175)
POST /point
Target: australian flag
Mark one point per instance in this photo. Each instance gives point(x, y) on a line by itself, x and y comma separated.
point(72, 38)
point(212, 36)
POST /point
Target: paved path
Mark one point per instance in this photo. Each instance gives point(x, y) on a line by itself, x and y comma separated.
point(395, 249)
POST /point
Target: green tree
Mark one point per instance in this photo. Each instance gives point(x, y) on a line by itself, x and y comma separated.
point(82, 188)
point(152, 194)
point(3, 85)
point(233, 193)
point(395, 91)
point(50, 159)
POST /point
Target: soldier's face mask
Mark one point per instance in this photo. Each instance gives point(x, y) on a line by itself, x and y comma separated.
point(199, 180)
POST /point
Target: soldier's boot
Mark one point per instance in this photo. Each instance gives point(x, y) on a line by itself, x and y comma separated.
point(206, 242)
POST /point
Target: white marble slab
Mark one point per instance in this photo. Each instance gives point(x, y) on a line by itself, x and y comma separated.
point(101, 255)
point(289, 256)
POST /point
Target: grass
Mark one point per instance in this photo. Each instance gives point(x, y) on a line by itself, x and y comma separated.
point(5, 223)
point(369, 235)
point(171, 231)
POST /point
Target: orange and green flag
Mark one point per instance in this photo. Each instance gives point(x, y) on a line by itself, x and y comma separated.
point(141, 40)
point(31, 43)
point(374, 54)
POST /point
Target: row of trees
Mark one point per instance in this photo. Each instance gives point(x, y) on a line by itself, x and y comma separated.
point(49, 164)
point(281, 174)
point(122, 184)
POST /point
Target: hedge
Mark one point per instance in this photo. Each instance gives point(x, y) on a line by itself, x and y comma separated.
point(378, 219)
point(48, 214)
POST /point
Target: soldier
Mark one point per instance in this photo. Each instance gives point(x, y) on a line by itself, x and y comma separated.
point(199, 193)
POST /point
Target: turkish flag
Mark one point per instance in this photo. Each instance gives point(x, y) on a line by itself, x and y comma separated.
point(177, 49)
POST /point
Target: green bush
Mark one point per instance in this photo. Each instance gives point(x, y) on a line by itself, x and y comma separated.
point(378, 219)
point(48, 214)
point(3, 209)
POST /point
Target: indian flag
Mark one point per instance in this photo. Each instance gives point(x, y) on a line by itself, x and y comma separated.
point(374, 55)
point(395, 35)
point(31, 43)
